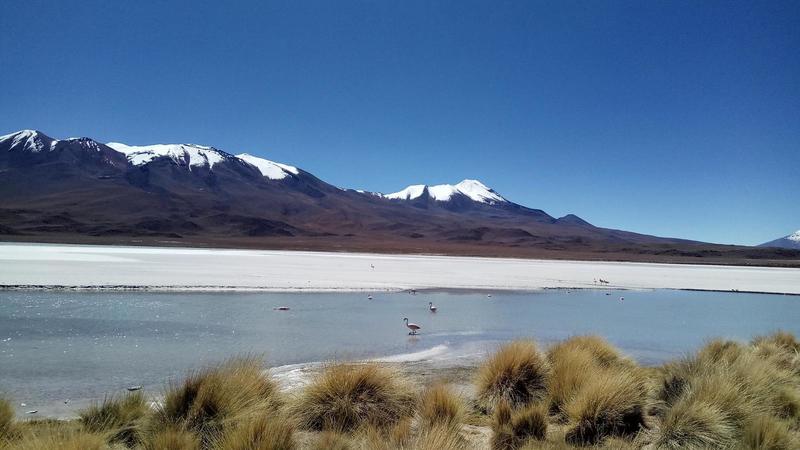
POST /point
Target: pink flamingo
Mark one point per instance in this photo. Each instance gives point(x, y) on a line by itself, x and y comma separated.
point(411, 326)
point(431, 307)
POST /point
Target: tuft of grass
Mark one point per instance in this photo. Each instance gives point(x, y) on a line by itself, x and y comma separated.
point(347, 396)
point(517, 373)
point(512, 429)
point(695, 425)
point(612, 403)
point(672, 380)
point(60, 437)
point(782, 339)
point(260, 433)
point(720, 350)
point(779, 356)
point(121, 418)
point(768, 433)
point(330, 440)
point(603, 353)
point(208, 400)
point(765, 389)
point(440, 406)
point(717, 402)
point(570, 371)
point(171, 439)
point(437, 437)
point(8, 427)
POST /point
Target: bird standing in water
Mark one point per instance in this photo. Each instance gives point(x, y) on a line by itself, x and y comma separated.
point(411, 326)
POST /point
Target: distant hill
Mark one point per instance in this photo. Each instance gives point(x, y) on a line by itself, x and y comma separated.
point(791, 241)
point(81, 190)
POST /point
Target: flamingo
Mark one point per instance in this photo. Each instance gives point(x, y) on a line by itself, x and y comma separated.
point(411, 326)
point(281, 308)
point(369, 297)
point(431, 307)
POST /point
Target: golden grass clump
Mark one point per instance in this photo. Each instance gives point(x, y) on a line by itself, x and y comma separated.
point(673, 378)
point(517, 373)
point(439, 405)
point(765, 387)
point(437, 437)
point(330, 440)
point(783, 339)
point(602, 352)
point(60, 437)
point(210, 399)
point(695, 425)
point(781, 349)
point(709, 413)
point(720, 350)
point(171, 439)
point(768, 433)
point(8, 428)
point(721, 397)
point(512, 429)
point(613, 402)
point(259, 433)
point(347, 396)
point(570, 370)
point(121, 418)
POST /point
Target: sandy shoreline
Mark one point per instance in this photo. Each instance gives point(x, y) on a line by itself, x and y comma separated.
point(61, 266)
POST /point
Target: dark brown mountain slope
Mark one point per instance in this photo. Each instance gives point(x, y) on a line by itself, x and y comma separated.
point(79, 190)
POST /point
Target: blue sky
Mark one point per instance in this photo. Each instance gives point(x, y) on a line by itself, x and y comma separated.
point(677, 118)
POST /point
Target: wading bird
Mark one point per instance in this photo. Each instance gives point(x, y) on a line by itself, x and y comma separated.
point(431, 307)
point(411, 326)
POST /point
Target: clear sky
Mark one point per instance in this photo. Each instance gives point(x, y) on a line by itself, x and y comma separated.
point(674, 118)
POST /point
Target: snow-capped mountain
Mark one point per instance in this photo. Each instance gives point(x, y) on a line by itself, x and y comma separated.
point(183, 154)
point(30, 140)
point(790, 241)
point(270, 169)
point(472, 189)
point(82, 190)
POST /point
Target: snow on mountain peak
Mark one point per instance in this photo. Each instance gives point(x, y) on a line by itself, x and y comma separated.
point(795, 237)
point(270, 169)
point(409, 193)
point(473, 189)
point(191, 154)
point(479, 192)
point(31, 140)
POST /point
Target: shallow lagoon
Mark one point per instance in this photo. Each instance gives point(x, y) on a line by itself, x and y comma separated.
point(83, 345)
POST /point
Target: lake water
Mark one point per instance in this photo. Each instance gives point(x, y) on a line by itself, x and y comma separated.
point(83, 345)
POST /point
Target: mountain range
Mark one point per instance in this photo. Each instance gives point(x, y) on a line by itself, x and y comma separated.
point(83, 191)
point(791, 241)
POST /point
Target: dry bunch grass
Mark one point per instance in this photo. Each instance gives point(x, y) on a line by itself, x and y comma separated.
point(603, 353)
point(121, 418)
point(517, 373)
point(439, 405)
point(345, 397)
point(58, 436)
point(614, 402)
point(210, 400)
point(8, 427)
point(171, 439)
point(259, 433)
point(512, 429)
